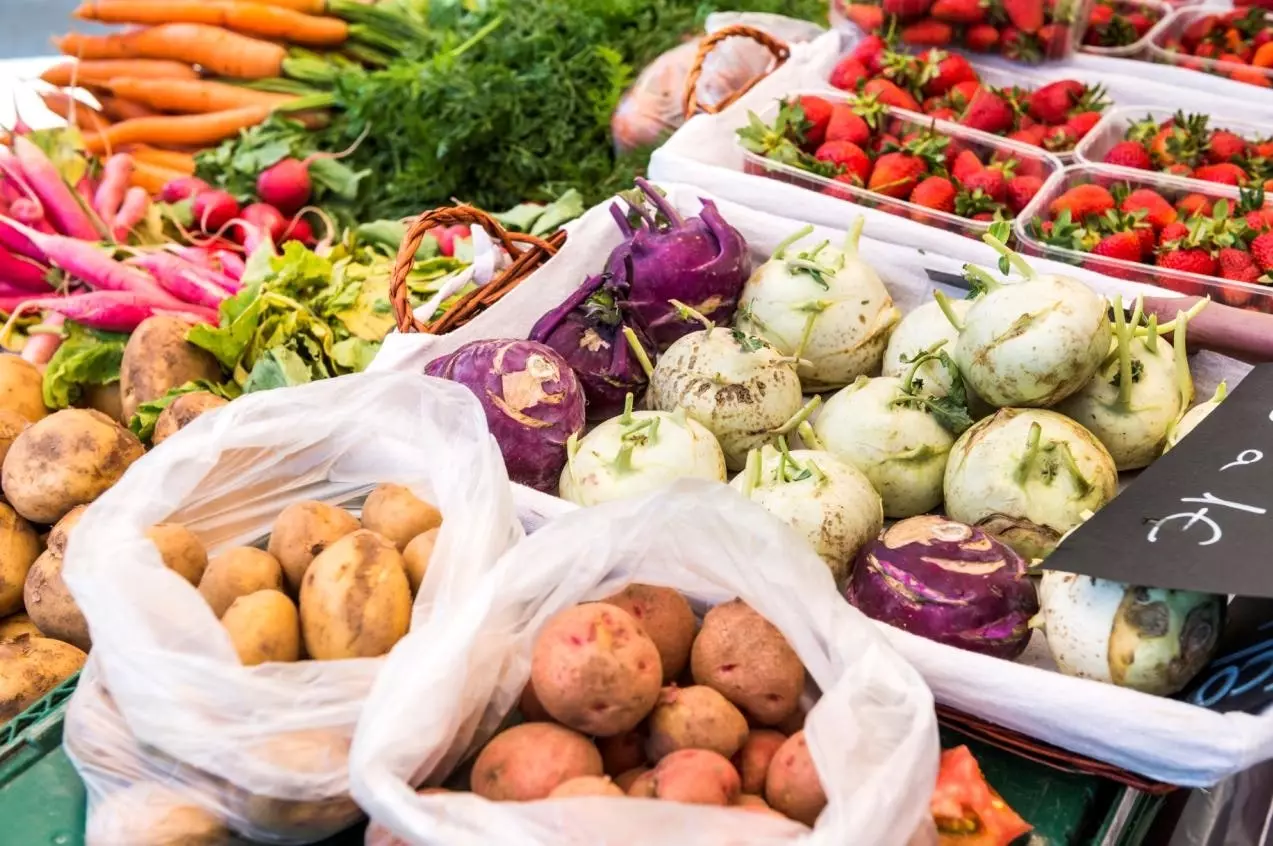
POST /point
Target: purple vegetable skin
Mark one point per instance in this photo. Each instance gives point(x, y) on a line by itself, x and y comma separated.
point(948, 582)
point(533, 403)
point(700, 261)
point(587, 329)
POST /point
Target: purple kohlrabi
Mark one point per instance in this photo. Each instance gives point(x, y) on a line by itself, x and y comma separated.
point(701, 262)
point(948, 582)
point(588, 330)
point(533, 403)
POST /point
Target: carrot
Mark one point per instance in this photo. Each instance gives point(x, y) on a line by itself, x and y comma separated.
point(250, 18)
point(189, 96)
point(121, 108)
point(219, 51)
point(308, 7)
point(178, 130)
point(68, 108)
point(168, 159)
point(103, 71)
point(153, 177)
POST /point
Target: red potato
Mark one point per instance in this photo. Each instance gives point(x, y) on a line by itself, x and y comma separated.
point(694, 776)
point(694, 718)
point(530, 706)
point(753, 759)
point(755, 805)
point(743, 656)
point(792, 786)
point(586, 786)
point(595, 670)
point(622, 752)
point(625, 780)
point(666, 617)
point(529, 761)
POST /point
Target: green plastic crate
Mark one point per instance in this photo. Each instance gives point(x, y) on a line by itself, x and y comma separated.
point(35, 732)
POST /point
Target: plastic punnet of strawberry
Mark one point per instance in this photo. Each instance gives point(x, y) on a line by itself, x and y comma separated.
point(1119, 23)
point(1237, 44)
point(1196, 147)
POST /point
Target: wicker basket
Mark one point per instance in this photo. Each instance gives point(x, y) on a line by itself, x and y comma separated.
point(781, 52)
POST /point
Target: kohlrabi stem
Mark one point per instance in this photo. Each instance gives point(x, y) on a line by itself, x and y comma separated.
point(1023, 267)
point(983, 277)
point(853, 236)
point(809, 436)
point(1184, 379)
point(660, 202)
point(572, 448)
point(784, 456)
point(1170, 325)
point(1031, 453)
point(634, 344)
point(1222, 391)
point(751, 473)
point(1124, 338)
point(1080, 481)
point(815, 309)
point(629, 401)
point(623, 461)
point(688, 313)
point(943, 302)
point(813, 468)
point(781, 249)
point(1151, 339)
point(799, 417)
point(921, 358)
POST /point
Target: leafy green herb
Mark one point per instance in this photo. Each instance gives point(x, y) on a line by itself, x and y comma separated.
point(142, 423)
point(951, 410)
point(85, 357)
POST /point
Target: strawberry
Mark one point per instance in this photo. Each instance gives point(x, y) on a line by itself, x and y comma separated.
point(1032, 135)
point(984, 216)
point(847, 73)
point(883, 141)
point(845, 124)
point(1262, 251)
point(867, 17)
point(1190, 260)
point(1052, 103)
point(1158, 212)
point(1021, 190)
point(965, 164)
point(935, 192)
point(1081, 123)
point(1054, 40)
point(990, 181)
point(890, 94)
point(927, 33)
point(1225, 173)
point(944, 114)
point(1026, 15)
point(1081, 201)
point(1120, 245)
point(1194, 204)
point(1198, 30)
point(849, 157)
point(1100, 15)
point(906, 8)
point(1172, 232)
point(980, 38)
point(959, 11)
point(945, 71)
point(817, 114)
point(1059, 138)
point(988, 112)
point(1238, 265)
point(1019, 46)
point(871, 51)
point(1129, 154)
point(1224, 146)
point(1141, 23)
point(896, 174)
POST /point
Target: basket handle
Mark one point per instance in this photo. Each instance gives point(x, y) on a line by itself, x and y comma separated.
point(524, 260)
point(781, 52)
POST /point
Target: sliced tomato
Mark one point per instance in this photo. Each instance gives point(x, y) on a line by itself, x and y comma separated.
point(966, 809)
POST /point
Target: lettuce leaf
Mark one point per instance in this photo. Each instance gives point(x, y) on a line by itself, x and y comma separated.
point(86, 357)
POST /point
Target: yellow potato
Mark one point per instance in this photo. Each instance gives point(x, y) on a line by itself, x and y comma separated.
point(157, 359)
point(393, 512)
point(22, 388)
point(16, 625)
point(302, 531)
point(61, 531)
point(19, 547)
point(11, 425)
point(238, 572)
point(181, 412)
point(152, 814)
point(51, 605)
point(181, 550)
point(264, 626)
point(355, 600)
point(106, 399)
point(29, 668)
point(417, 555)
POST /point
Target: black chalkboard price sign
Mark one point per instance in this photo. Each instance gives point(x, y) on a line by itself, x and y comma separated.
point(1240, 677)
point(1201, 516)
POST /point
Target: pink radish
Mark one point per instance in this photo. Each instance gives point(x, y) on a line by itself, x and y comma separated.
point(131, 212)
point(43, 340)
point(15, 242)
point(85, 189)
point(182, 188)
point(23, 273)
point(286, 185)
point(61, 206)
point(213, 210)
point(110, 311)
point(185, 281)
point(265, 218)
point(232, 264)
point(300, 230)
point(28, 211)
point(116, 174)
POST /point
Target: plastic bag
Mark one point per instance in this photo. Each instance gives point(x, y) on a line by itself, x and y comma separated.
point(165, 698)
point(448, 687)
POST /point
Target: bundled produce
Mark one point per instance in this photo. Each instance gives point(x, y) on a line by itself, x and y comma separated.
point(1192, 145)
point(858, 149)
point(944, 85)
point(1229, 43)
point(1119, 23)
point(967, 809)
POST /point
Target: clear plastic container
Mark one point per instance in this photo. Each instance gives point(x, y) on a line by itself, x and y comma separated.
point(1114, 125)
point(1238, 294)
point(1170, 28)
point(900, 122)
point(1154, 8)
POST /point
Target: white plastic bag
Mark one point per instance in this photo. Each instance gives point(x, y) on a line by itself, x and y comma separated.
point(194, 716)
point(447, 687)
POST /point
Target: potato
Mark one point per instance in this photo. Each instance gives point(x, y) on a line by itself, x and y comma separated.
point(792, 786)
point(50, 604)
point(32, 666)
point(264, 626)
point(595, 670)
point(19, 547)
point(694, 718)
point(666, 617)
point(399, 515)
point(355, 599)
point(530, 706)
point(417, 555)
point(11, 425)
point(181, 550)
point(61, 531)
point(529, 761)
point(306, 752)
point(745, 657)
point(16, 625)
point(238, 571)
point(157, 359)
point(752, 761)
point(67, 459)
point(640, 783)
point(755, 805)
point(152, 814)
point(304, 530)
point(625, 780)
point(22, 388)
point(621, 752)
point(104, 398)
point(586, 786)
point(696, 776)
point(181, 412)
